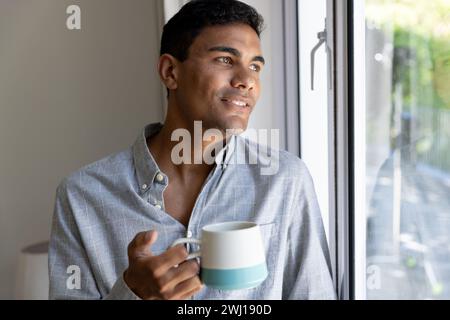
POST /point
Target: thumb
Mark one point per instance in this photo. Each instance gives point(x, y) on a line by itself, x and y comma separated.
point(141, 244)
point(150, 238)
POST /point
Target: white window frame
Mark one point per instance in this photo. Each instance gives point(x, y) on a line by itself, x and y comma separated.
point(337, 17)
point(348, 103)
point(314, 108)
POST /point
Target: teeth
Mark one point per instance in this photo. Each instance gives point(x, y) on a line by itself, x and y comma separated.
point(239, 103)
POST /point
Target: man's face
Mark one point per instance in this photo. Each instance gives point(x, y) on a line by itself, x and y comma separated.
point(219, 83)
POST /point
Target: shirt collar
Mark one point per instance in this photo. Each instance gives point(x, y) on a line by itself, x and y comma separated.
point(146, 167)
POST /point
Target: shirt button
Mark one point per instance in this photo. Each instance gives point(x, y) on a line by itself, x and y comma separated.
point(144, 187)
point(189, 234)
point(159, 177)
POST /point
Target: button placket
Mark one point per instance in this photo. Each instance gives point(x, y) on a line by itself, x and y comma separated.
point(153, 200)
point(193, 220)
point(158, 188)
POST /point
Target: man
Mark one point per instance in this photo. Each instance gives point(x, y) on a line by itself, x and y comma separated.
point(115, 220)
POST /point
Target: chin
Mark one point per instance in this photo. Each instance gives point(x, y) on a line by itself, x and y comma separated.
point(236, 126)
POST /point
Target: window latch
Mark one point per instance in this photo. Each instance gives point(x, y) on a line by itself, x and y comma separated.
point(322, 36)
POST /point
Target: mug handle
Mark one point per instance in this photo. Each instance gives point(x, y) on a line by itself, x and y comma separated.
point(193, 255)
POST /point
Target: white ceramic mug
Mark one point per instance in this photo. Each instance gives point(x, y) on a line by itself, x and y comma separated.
point(232, 255)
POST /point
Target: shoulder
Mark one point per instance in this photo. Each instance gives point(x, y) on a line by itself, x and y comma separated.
point(279, 163)
point(103, 171)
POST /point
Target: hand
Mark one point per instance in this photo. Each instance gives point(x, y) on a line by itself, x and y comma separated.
point(164, 277)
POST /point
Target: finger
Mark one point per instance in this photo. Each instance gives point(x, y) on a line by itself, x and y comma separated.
point(172, 257)
point(184, 272)
point(190, 294)
point(184, 288)
point(142, 243)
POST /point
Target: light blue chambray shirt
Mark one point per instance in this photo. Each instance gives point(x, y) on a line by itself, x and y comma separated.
point(100, 209)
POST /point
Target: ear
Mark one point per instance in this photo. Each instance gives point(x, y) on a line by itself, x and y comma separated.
point(168, 71)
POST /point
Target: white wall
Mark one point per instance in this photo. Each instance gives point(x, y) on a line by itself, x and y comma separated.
point(67, 98)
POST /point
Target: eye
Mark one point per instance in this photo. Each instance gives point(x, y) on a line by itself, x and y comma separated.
point(226, 60)
point(255, 67)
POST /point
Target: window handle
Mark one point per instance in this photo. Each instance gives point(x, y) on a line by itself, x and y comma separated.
point(322, 36)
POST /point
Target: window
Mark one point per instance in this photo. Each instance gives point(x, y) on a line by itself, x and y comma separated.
point(401, 145)
point(385, 153)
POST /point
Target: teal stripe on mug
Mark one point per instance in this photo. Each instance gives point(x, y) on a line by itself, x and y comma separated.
point(234, 279)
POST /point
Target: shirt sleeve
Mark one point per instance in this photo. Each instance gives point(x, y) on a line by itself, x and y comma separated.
point(70, 272)
point(307, 268)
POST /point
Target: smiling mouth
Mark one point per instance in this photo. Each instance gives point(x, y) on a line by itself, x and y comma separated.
point(236, 102)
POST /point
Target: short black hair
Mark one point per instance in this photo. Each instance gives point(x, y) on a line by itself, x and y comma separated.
point(180, 32)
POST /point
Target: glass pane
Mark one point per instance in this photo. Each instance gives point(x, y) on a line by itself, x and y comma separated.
point(408, 149)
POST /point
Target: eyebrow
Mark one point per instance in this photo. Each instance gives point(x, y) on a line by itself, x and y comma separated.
point(236, 53)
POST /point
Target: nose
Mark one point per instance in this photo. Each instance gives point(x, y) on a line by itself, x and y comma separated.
point(244, 80)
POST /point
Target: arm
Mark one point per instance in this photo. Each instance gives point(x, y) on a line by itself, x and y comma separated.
point(308, 267)
point(150, 277)
point(66, 249)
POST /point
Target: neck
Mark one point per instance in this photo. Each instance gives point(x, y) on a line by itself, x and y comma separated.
point(161, 146)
